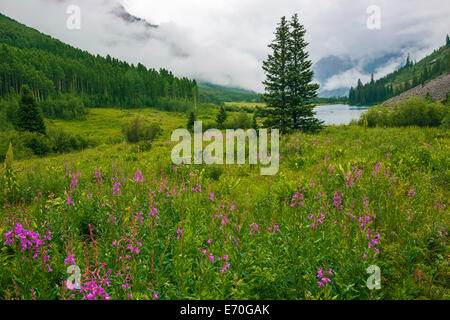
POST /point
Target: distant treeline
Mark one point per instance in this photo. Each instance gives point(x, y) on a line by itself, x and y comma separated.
point(219, 94)
point(52, 68)
point(407, 77)
point(332, 100)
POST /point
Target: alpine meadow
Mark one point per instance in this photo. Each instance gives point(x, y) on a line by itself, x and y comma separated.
point(94, 207)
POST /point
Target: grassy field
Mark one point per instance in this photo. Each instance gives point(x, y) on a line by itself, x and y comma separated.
point(245, 104)
point(101, 123)
point(139, 227)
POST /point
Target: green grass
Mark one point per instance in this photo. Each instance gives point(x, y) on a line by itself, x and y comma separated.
point(245, 104)
point(104, 122)
point(334, 171)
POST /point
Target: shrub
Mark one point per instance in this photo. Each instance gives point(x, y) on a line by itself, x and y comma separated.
point(240, 120)
point(138, 129)
point(63, 142)
point(67, 107)
point(37, 142)
point(209, 125)
point(26, 144)
point(412, 112)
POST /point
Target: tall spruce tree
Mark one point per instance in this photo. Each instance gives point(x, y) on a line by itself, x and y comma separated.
point(289, 91)
point(29, 115)
point(301, 90)
point(276, 83)
point(191, 120)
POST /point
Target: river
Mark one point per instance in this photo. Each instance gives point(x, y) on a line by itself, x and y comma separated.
point(336, 114)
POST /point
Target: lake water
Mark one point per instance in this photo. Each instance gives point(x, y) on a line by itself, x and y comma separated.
point(337, 114)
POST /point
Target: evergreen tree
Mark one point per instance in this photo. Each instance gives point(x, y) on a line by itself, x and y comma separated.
point(447, 40)
point(447, 64)
point(424, 76)
point(276, 83)
point(408, 61)
point(351, 96)
point(221, 118)
point(29, 115)
point(301, 91)
point(191, 120)
point(289, 91)
point(415, 81)
point(195, 93)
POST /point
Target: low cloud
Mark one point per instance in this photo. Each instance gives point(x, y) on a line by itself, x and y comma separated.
point(225, 41)
point(348, 78)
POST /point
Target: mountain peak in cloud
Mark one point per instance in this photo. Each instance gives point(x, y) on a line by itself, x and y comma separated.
point(121, 12)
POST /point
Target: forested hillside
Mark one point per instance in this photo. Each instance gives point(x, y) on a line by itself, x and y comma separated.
point(408, 76)
point(51, 67)
point(219, 94)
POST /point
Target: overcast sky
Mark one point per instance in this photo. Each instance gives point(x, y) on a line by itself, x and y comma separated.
point(225, 41)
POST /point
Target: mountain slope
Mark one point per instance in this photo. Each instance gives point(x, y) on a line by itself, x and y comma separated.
point(436, 88)
point(330, 66)
point(409, 76)
point(209, 92)
point(51, 67)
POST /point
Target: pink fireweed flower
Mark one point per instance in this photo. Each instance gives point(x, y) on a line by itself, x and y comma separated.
point(70, 260)
point(377, 169)
point(297, 199)
point(33, 242)
point(411, 193)
point(74, 181)
point(179, 233)
point(321, 274)
point(69, 201)
point(438, 206)
point(98, 177)
point(224, 269)
point(253, 227)
point(349, 182)
point(138, 178)
point(211, 196)
point(116, 188)
point(274, 229)
point(155, 296)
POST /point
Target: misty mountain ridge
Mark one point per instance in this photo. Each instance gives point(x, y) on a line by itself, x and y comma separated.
point(122, 13)
point(333, 65)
